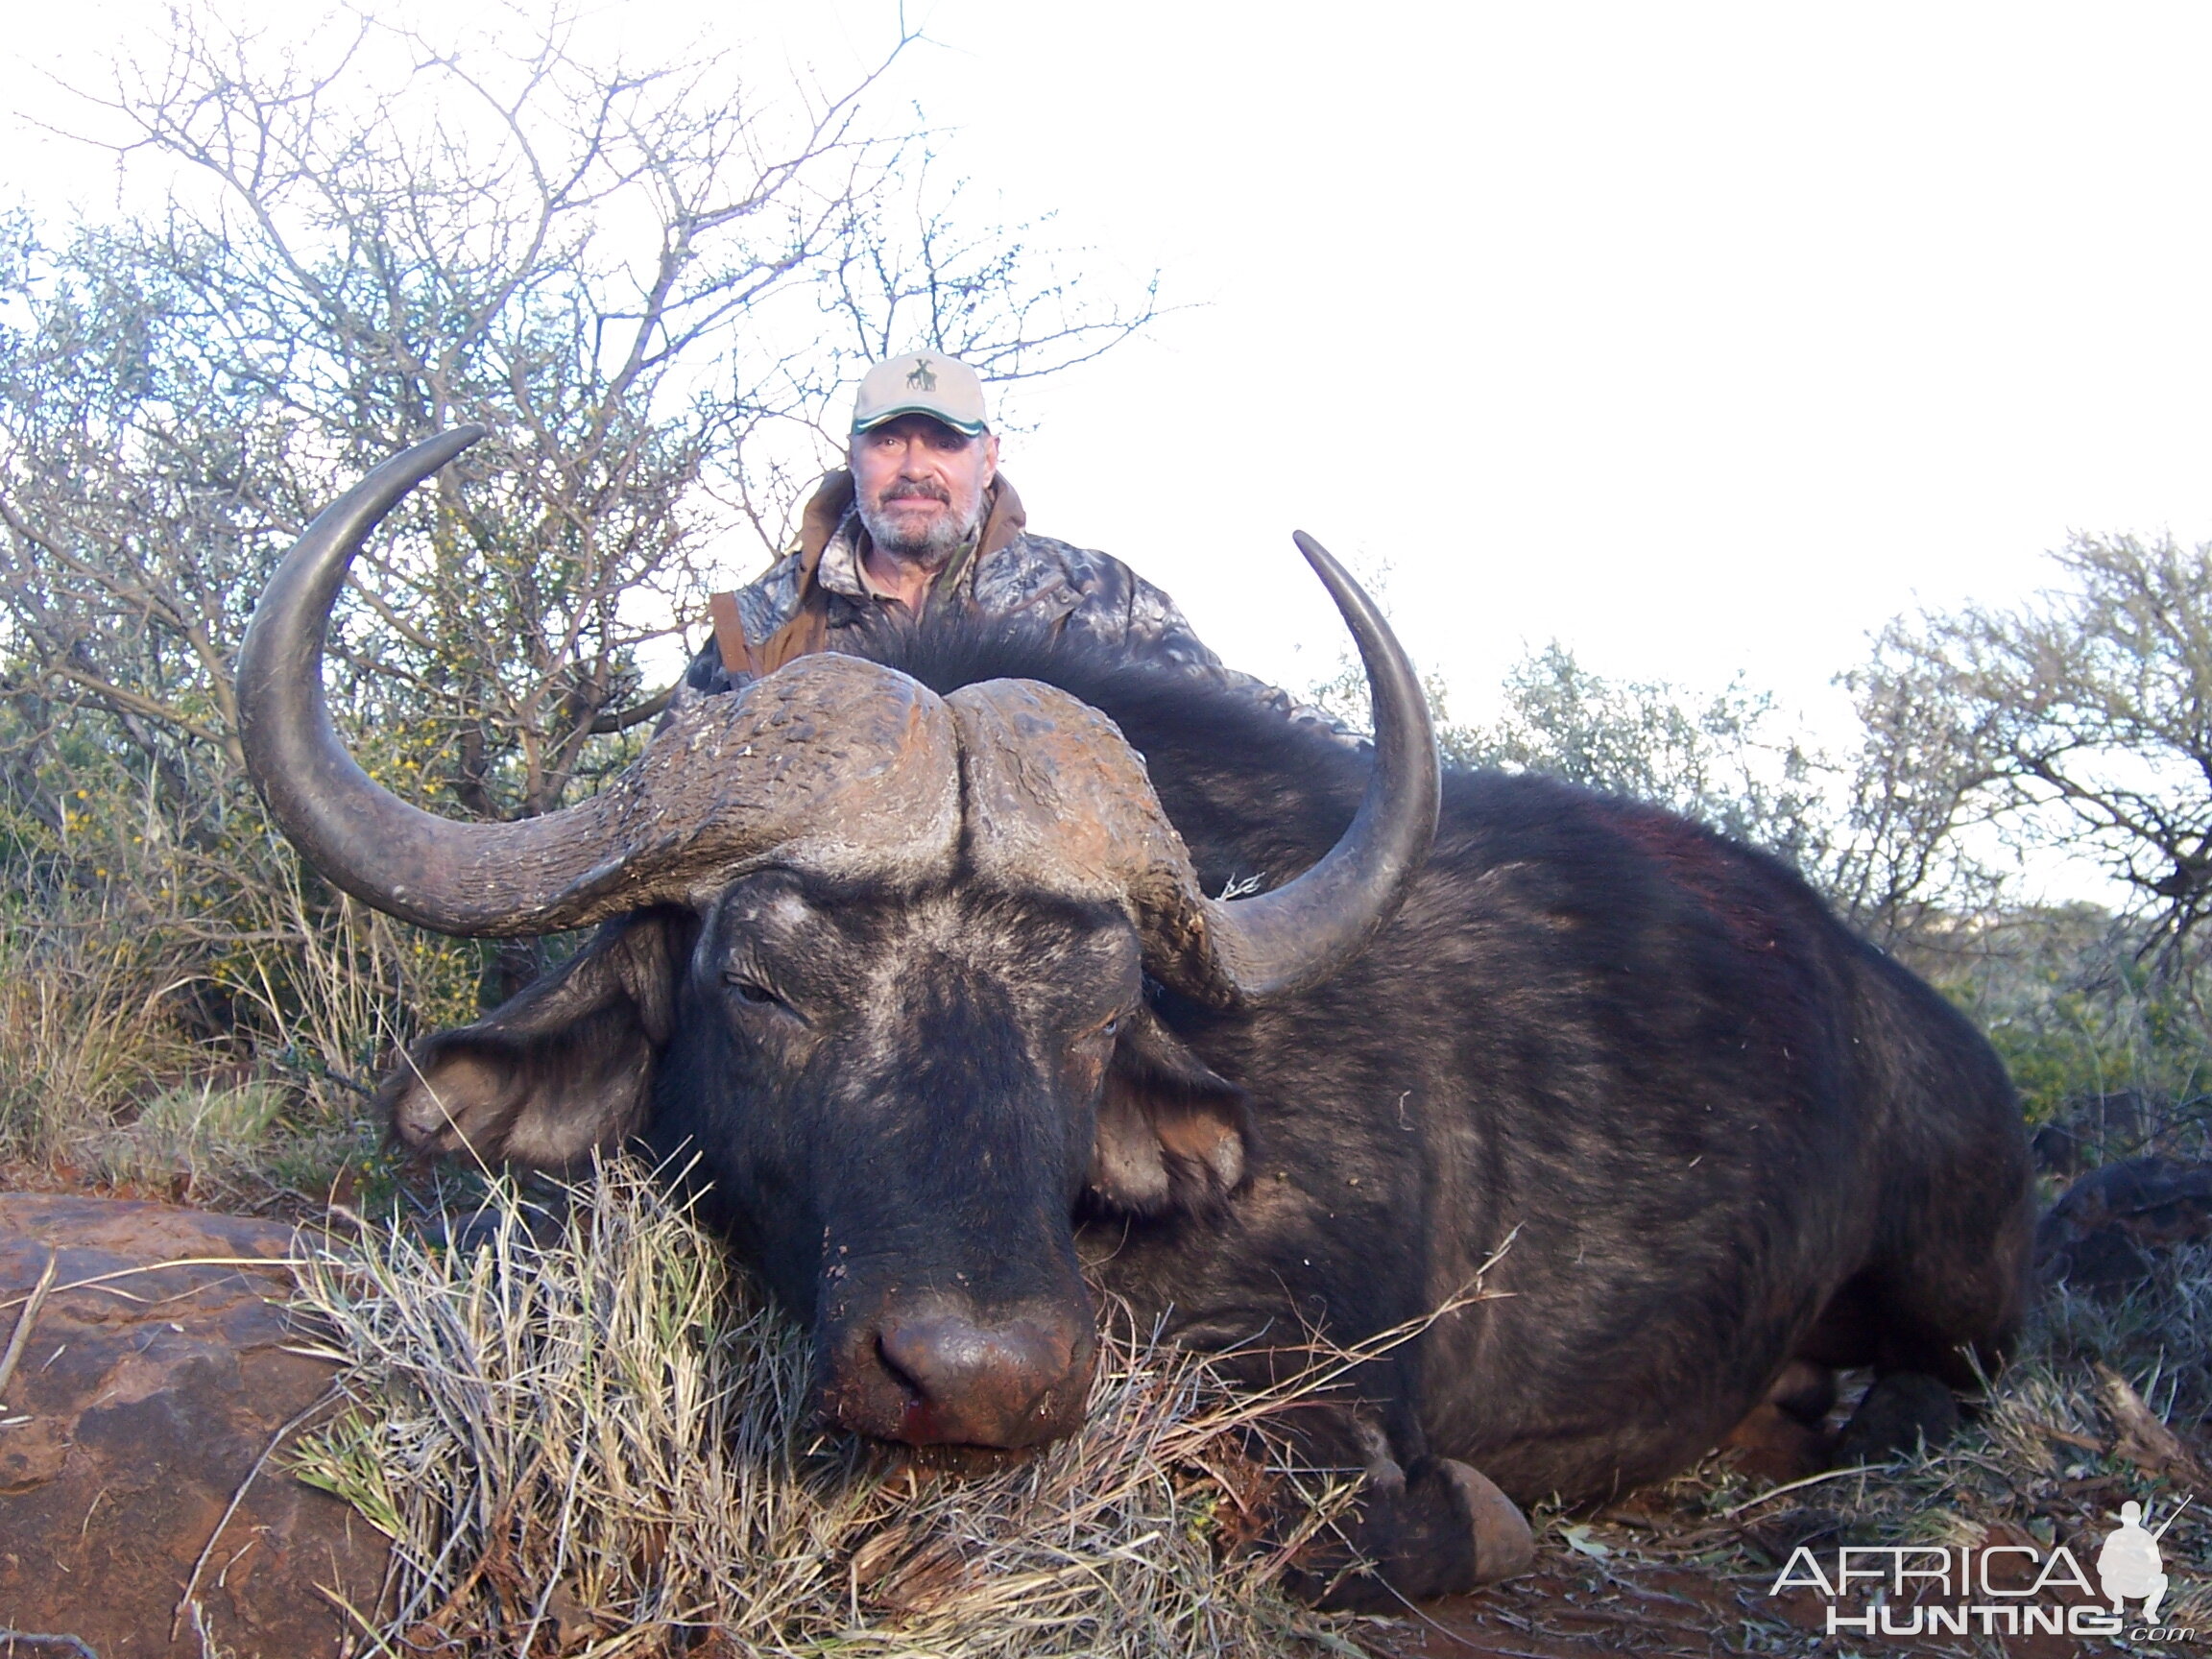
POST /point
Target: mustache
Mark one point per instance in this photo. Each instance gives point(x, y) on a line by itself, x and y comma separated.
point(914, 490)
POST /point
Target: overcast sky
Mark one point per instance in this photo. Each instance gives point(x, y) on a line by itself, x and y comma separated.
point(1701, 338)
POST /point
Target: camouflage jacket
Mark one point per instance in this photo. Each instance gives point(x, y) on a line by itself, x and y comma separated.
point(815, 593)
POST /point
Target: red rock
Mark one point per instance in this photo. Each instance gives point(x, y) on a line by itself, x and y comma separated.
point(151, 1398)
point(2106, 1231)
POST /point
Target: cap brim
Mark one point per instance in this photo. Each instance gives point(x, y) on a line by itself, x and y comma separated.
point(966, 429)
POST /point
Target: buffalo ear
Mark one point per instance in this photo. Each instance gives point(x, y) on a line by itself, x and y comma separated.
point(563, 1066)
point(1172, 1131)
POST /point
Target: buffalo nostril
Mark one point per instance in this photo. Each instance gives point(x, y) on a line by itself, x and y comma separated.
point(976, 1385)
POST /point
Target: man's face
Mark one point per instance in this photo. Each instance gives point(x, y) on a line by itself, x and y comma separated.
point(919, 486)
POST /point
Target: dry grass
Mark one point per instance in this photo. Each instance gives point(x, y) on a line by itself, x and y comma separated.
point(2051, 1454)
point(586, 1439)
point(158, 983)
point(208, 1133)
point(82, 1028)
point(147, 1052)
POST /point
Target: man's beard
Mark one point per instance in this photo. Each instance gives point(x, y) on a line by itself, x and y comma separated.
point(928, 543)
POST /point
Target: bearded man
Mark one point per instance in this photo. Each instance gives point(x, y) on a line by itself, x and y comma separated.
point(923, 522)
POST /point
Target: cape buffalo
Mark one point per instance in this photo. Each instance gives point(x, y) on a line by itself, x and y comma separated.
point(922, 965)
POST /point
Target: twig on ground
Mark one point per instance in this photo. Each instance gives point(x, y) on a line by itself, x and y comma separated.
point(76, 1645)
point(22, 1333)
point(100, 1281)
point(184, 1602)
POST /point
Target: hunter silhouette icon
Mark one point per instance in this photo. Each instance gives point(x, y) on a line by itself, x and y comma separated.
point(2128, 1564)
point(922, 377)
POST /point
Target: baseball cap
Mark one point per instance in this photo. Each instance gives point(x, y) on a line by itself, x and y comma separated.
point(921, 383)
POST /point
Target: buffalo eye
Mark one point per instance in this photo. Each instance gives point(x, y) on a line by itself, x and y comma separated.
point(752, 991)
point(1104, 1033)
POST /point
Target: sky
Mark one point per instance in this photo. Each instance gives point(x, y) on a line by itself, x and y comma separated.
point(1704, 339)
point(1701, 338)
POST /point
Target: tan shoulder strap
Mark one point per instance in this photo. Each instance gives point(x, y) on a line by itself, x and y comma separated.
point(730, 634)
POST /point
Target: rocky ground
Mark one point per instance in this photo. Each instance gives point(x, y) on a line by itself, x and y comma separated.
point(144, 1506)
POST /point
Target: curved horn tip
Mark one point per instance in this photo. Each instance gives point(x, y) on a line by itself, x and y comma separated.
point(1339, 581)
point(445, 446)
point(1295, 937)
point(1317, 555)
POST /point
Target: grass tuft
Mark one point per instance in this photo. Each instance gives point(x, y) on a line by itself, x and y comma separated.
point(81, 1030)
point(586, 1435)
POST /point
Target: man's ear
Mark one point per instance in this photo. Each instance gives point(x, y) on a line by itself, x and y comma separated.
point(563, 1066)
point(1172, 1133)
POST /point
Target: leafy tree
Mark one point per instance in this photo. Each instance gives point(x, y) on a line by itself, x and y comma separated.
point(2092, 1036)
point(652, 282)
point(1717, 759)
point(1876, 833)
point(2080, 723)
point(626, 273)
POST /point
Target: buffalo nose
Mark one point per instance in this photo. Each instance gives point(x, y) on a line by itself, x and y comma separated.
point(1010, 1384)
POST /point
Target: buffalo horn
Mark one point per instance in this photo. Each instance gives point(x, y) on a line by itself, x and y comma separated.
point(1058, 801)
point(1274, 944)
point(835, 763)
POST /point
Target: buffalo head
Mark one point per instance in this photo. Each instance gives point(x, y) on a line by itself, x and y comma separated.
point(875, 958)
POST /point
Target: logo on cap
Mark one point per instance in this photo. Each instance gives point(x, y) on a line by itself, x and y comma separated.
point(921, 383)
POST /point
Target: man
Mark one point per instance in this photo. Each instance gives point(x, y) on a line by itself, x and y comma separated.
point(923, 523)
